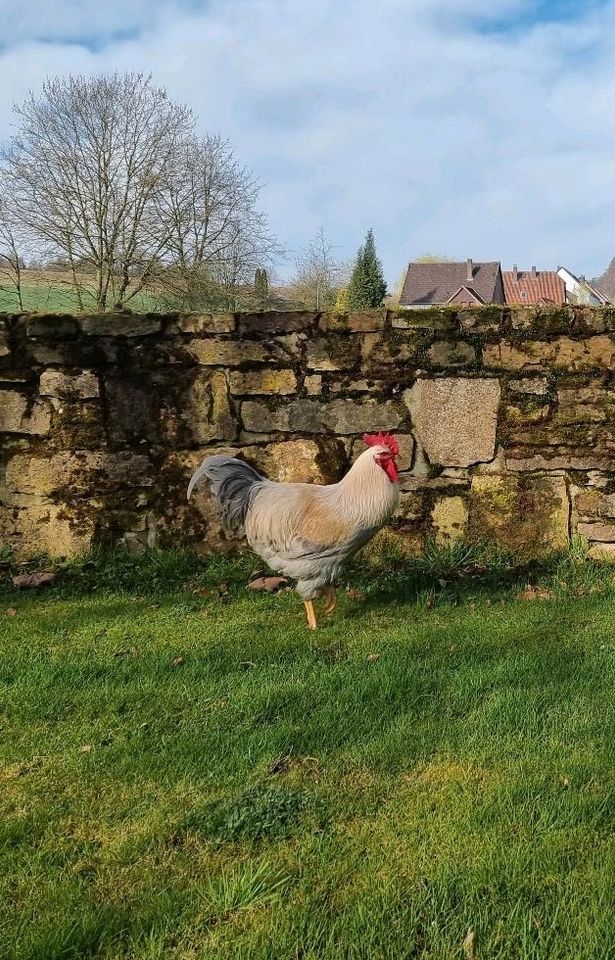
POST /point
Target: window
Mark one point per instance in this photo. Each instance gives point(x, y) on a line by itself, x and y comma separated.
point(524, 294)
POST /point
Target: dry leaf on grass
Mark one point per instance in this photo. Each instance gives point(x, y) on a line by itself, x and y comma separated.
point(25, 581)
point(535, 593)
point(355, 594)
point(268, 584)
point(247, 664)
point(372, 657)
point(177, 662)
point(468, 945)
point(10, 612)
point(86, 748)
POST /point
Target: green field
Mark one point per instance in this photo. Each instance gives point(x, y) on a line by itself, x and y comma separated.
point(50, 292)
point(186, 772)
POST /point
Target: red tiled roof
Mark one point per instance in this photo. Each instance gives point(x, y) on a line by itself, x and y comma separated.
point(436, 282)
point(545, 287)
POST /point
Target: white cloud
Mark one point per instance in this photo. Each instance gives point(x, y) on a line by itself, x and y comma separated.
point(403, 115)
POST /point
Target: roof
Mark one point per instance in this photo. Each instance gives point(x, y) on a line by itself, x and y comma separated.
point(433, 283)
point(541, 286)
point(601, 297)
point(465, 294)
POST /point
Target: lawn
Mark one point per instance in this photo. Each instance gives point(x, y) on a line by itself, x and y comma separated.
point(51, 292)
point(186, 772)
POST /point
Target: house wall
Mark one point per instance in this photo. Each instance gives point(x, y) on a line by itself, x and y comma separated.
point(505, 418)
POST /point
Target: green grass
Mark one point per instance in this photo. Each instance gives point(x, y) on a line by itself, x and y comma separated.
point(186, 772)
point(49, 296)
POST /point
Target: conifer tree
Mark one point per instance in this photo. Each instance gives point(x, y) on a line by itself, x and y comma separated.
point(261, 286)
point(367, 287)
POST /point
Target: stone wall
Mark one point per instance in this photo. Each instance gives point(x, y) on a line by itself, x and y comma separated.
point(506, 420)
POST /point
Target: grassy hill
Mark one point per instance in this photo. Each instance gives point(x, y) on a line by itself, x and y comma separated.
point(50, 291)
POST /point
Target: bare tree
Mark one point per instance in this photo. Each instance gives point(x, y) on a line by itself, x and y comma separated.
point(11, 254)
point(217, 237)
point(319, 274)
point(86, 171)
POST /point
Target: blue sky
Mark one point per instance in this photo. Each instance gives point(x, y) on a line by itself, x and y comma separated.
point(448, 132)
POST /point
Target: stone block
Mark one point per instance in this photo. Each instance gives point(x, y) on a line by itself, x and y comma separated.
point(199, 410)
point(321, 460)
point(602, 551)
point(451, 353)
point(21, 414)
point(4, 343)
point(600, 532)
point(120, 325)
point(227, 353)
point(313, 385)
point(48, 528)
point(133, 410)
point(341, 416)
point(559, 461)
point(333, 352)
point(529, 515)
point(53, 327)
point(562, 353)
point(77, 473)
point(594, 503)
point(455, 419)
point(532, 385)
point(276, 321)
point(206, 323)
point(72, 386)
point(449, 518)
point(267, 381)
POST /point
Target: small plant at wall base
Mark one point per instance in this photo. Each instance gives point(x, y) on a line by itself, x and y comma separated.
point(367, 287)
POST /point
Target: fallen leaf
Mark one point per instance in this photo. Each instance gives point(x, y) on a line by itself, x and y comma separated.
point(25, 581)
point(222, 588)
point(372, 657)
point(268, 584)
point(247, 664)
point(535, 593)
point(566, 782)
point(468, 944)
point(355, 594)
point(10, 612)
point(86, 748)
point(177, 662)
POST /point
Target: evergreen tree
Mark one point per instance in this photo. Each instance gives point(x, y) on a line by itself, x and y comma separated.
point(261, 286)
point(367, 287)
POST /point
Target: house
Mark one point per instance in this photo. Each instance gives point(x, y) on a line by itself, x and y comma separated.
point(533, 286)
point(580, 290)
point(458, 284)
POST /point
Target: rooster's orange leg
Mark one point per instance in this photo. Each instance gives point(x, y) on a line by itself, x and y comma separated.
point(329, 594)
point(311, 615)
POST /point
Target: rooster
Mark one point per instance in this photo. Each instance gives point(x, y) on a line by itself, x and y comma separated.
point(306, 531)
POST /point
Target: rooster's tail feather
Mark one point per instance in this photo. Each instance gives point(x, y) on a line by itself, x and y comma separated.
point(232, 483)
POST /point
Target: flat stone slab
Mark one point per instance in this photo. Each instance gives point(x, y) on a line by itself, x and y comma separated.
point(455, 419)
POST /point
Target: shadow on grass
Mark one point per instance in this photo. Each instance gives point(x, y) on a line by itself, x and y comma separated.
point(449, 574)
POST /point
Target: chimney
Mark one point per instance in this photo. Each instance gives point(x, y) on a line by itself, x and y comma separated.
point(534, 274)
point(515, 274)
point(469, 272)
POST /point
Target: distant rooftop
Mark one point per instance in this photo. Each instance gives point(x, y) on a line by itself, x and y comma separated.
point(442, 282)
point(533, 286)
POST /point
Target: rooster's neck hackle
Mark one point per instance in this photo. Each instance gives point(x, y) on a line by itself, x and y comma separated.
point(366, 490)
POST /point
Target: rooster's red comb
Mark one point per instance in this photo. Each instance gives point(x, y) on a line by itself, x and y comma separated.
point(381, 440)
